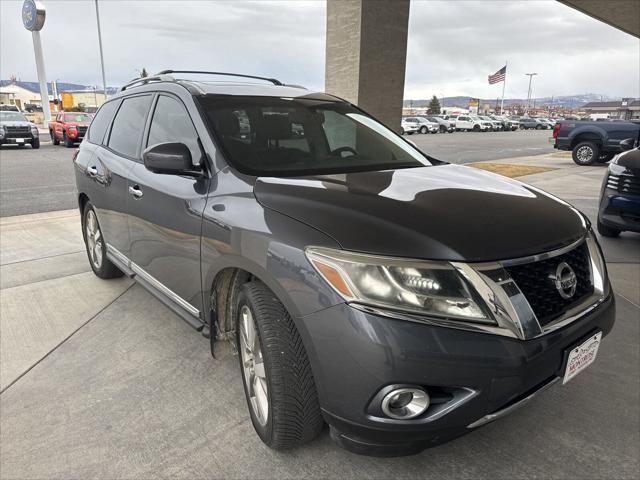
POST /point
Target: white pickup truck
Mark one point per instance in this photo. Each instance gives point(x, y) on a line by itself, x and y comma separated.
point(468, 123)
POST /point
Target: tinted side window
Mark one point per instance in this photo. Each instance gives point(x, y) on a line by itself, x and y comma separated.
point(171, 123)
point(101, 122)
point(129, 124)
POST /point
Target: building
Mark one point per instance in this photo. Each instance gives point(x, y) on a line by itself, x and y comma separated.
point(625, 109)
point(21, 94)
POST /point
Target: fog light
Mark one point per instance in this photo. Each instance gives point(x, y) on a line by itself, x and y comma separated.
point(405, 403)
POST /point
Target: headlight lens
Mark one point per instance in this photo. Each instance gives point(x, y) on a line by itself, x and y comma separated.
point(34, 130)
point(414, 286)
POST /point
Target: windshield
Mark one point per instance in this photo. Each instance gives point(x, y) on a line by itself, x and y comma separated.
point(77, 117)
point(304, 136)
point(12, 117)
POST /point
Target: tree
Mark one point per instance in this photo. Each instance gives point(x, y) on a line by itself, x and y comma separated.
point(434, 106)
point(144, 73)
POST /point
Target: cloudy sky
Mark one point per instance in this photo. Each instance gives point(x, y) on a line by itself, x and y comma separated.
point(453, 45)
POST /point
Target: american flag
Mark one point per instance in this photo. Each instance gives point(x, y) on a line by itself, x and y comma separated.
point(498, 76)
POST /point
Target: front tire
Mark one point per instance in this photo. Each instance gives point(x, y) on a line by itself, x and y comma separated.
point(278, 382)
point(585, 153)
point(68, 142)
point(54, 139)
point(423, 130)
point(607, 231)
point(35, 143)
point(95, 245)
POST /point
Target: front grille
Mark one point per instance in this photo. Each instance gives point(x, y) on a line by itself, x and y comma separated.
point(82, 130)
point(17, 132)
point(624, 184)
point(534, 281)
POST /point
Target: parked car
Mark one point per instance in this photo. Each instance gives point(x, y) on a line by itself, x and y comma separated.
point(355, 275)
point(69, 127)
point(507, 123)
point(548, 121)
point(527, 123)
point(443, 125)
point(592, 142)
point(15, 129)
point(424, 125)
point(620, 195)
point(6, 107)
point(409, 127)
point(469, 123)
point(496, 125)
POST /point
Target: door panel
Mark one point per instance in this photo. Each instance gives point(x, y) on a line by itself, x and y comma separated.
point(165, 224)
point(109, 172)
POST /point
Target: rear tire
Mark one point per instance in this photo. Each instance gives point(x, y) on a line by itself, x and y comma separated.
point(96, 246)
point(607, 231)
point(585, 153)
point(423, 130)
point(476, 128)
point(274, 365)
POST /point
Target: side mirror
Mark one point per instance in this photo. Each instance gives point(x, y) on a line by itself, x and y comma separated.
point(627, 144)
point(171, 158)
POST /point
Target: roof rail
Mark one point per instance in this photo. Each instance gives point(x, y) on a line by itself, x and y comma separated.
point(272, 80)
point(144, 80)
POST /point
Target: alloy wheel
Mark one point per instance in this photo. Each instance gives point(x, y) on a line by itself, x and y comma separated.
point(584, 154)
point(94, 239)
point(253, 366)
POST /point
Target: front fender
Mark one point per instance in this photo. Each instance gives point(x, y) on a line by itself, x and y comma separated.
point(238, 232)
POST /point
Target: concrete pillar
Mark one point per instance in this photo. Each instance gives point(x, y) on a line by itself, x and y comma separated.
point(366, 55)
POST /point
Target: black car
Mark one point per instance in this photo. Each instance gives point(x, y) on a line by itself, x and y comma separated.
point(620, 196)
point(400, 299)
point(15, 129)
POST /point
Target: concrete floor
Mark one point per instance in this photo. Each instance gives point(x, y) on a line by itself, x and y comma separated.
point(100, 380)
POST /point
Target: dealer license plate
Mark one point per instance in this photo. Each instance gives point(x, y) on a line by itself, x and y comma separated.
point(581, 357)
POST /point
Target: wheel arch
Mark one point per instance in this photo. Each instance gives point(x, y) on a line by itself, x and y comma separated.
point(83, 198)
point(587, 137)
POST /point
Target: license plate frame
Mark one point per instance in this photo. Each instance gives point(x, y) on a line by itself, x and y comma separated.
point(580, 356)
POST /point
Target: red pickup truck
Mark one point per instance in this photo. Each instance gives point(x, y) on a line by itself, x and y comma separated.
point(69, 127)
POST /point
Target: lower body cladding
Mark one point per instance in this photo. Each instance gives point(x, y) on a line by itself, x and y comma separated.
point(368, 367)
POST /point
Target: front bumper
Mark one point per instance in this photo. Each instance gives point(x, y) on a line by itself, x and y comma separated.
point(354, 354)
point(619, 211)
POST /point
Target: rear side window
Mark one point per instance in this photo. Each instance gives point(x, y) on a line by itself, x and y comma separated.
point(101, 122)
point(172, 123)
point(128, 125)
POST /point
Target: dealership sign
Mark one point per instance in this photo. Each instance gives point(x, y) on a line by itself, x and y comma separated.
point(33, 15)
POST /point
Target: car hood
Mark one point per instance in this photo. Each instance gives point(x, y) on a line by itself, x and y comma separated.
point(445, 212)
point(15, 123)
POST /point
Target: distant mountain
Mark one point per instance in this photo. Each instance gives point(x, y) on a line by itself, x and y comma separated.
point(62, 87)
point(569, 101)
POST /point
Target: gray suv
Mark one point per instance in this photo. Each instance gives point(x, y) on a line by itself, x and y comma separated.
point(400, 299)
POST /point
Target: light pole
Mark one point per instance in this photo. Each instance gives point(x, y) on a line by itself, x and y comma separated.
point(104, 78)
point(33, 17)
point(529, 91)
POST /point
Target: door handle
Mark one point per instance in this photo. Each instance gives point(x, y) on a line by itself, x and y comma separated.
point(92, 171)
point(136, 192)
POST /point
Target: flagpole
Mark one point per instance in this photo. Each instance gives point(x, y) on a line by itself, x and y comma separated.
point(504, 83)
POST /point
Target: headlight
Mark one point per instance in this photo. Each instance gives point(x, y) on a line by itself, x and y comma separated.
point(414, 286)
point(1, 130)
point(34, 130)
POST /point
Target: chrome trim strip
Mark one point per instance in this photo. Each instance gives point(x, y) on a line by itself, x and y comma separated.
point(138, 270)
point(507, 410)
point(541, 256)
point(435, 321)
point(121, 257)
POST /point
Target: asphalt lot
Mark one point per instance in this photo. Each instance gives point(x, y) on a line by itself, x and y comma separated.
point(99, 380)
point(33, 181)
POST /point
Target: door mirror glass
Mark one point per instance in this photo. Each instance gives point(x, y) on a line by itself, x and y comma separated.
point(627, 144)
point(172, 158)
